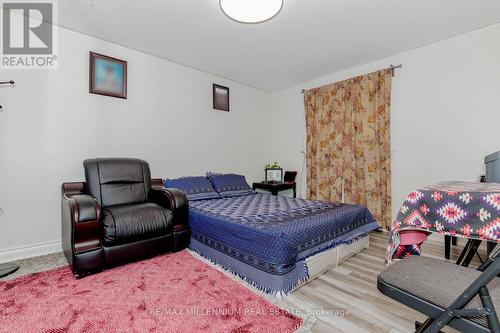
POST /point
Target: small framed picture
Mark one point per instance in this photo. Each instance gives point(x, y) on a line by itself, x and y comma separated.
point(221, 97)
point(274, 175)
point(108, 76)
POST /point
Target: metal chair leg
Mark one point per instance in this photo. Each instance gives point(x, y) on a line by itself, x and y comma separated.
point(488, 305)
point(464, 251)
point(468, 252)
point(447, 246)
point(421, 327)
point(472, 251)
point(490, 246)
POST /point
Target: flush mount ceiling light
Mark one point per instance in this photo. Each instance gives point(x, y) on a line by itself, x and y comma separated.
point(251, 11)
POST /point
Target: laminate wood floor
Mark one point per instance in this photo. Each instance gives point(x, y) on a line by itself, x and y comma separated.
point(352, 286)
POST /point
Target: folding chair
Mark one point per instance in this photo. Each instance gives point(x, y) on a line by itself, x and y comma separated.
point(449, 294)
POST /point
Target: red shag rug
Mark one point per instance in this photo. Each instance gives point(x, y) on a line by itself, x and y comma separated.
point(170, 293)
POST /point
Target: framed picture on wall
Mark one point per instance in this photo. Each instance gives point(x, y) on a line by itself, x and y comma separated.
point(108, 76)
point(221, 97)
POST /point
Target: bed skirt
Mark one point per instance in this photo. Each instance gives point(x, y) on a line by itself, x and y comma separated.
point(281, 285)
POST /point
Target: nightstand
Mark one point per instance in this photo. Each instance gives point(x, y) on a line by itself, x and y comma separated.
point(276, 187)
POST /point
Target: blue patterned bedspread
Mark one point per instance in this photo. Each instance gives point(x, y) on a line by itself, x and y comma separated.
point(272, 233)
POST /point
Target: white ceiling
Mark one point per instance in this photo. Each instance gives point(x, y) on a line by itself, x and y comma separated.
point(307, 40)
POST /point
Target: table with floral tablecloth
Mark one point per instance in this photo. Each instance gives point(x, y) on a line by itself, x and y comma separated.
point(462, 209)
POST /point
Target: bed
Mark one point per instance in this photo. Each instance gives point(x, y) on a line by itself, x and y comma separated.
point(277, 243)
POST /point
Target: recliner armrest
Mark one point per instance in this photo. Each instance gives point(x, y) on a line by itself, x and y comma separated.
point(173, 199)
point(87, 208)
point(81, 216)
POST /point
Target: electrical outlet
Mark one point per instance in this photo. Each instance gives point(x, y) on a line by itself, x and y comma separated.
point(1, 211)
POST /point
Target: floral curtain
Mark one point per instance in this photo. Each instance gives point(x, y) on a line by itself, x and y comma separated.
point(348, 143)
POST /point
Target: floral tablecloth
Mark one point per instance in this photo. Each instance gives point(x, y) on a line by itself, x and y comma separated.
point(463, 209)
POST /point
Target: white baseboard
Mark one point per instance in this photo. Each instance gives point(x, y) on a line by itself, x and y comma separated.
point(39, 249)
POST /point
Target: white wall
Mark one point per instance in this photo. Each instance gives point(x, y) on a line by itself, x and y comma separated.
point(445, 112)
point(445, 118)
point(50, 124)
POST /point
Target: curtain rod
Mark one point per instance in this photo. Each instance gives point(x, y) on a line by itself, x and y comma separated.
point(392, 67)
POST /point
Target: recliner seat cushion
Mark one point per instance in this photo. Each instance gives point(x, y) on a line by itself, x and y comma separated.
point(128, 223)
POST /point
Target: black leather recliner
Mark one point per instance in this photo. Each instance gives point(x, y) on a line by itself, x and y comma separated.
point(120, 214)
